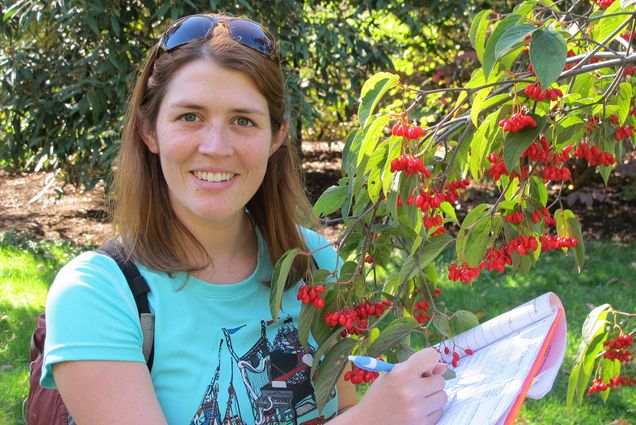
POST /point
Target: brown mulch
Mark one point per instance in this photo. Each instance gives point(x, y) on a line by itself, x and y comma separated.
point(31, 206)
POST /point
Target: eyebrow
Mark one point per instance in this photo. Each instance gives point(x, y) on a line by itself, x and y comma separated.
point(234, 110)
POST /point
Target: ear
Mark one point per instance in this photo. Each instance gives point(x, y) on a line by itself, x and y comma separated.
point(279, 138)
point(148, 135)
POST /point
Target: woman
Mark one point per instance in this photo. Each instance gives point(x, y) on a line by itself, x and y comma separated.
point(206, 198)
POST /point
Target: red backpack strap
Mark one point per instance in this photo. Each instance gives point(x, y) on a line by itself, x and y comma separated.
point(139, 288)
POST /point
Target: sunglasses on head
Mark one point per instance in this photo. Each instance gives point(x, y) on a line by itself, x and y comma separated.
point(199, 27)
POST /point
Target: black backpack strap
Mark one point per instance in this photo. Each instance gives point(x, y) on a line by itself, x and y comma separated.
point(139, 288)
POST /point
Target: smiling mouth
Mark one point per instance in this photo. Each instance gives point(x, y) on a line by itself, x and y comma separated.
point(213, 177)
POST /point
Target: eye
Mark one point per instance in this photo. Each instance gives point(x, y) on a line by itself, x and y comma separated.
point(244, 122)
point(189, 117)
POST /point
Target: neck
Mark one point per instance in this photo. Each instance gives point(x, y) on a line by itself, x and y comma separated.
point(233, 248)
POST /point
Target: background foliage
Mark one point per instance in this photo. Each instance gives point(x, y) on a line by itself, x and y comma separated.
point(67, 66)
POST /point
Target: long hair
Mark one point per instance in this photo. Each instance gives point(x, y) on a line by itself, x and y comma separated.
point(142, 213)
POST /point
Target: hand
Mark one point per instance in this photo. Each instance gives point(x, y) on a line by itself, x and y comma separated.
point(411, 394)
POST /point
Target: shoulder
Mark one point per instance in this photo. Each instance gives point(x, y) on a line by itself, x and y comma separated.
point(89, 276)
point(322, 250)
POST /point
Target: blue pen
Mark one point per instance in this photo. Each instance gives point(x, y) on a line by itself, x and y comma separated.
point(371, 364)
point(375, 365)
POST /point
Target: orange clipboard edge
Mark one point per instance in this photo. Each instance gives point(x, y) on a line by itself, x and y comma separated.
point(516, 407)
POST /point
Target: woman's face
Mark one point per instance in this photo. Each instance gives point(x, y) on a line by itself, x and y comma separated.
point(213, 136)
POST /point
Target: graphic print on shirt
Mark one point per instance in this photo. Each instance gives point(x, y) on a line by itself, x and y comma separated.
point(274, 375)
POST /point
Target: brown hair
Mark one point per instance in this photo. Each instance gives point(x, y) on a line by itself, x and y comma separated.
point(142, 213)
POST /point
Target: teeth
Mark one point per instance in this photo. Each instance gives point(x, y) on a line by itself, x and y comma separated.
point(212, 177)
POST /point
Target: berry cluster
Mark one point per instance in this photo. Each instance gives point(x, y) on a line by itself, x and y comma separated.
point(604, 3)
point(358, 376)
point(421, 312)
point(496, 259)
point(591, 124)
point(355, 319)
point(451, 190)
point(514, 218)
point(625, 132)
point(534, 91)
point(517, 122)
point(628, 36)
point(523, 245)
point(498, 168)
point(308, 294)
point(410, 133)
point(368, 259)
point(630, 70)
point(545, 214)
point(599, 386)
point(432, 221)
point(465, 273)
point(617, 349)
point(410, 165)
point(593, 155)
point(541, 152)
point(550, 243)
point(455, 359)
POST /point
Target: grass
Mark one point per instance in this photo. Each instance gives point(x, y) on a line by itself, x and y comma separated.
point(26, 271)
point(28, 268)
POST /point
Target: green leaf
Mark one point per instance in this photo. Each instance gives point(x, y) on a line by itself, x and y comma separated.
point(574, 226)
point(511, 39)
point(477, 33)
point(463, 320)
point(331, 368)
point(548, 52)
point(306, 317)
point(490, 58)
point(372, 134)
point(431, 250)
point(591, 344)
point(449, 211)
point(442, 324)
point(395, 149)
point(477, 213)
point(608, 24)
point(525, 8)
point(330, 200)
point(372, 91)
point(375, 166)
point(480, 144)
point(477, 243)
point(279, 279)
point(515, 144)
point(624, 100)
point(611, 369)
point(477, 104)
point(395, 332)
point(538, 191)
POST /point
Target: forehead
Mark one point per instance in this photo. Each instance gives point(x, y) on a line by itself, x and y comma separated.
point(205, 82)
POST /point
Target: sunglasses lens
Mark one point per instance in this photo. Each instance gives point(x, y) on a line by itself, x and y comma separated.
point(186, 30)
point(252, 35)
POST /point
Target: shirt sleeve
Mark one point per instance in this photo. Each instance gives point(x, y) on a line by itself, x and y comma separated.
point(90, 315)
point(324, 252)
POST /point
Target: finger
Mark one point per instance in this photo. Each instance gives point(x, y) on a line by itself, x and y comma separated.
point(436, 401)
point(434, 417)
point(439, 369)
point(432, 385)
point(424, 360)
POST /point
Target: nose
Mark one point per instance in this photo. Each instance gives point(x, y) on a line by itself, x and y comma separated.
point(215, 141)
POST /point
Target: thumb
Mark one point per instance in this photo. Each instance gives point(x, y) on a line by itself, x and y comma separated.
point(424, 361)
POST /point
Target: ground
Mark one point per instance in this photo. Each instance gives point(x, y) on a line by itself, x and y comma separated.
point(31, 207)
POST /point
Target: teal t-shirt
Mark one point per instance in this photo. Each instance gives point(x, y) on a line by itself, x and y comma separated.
point(218, 354)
